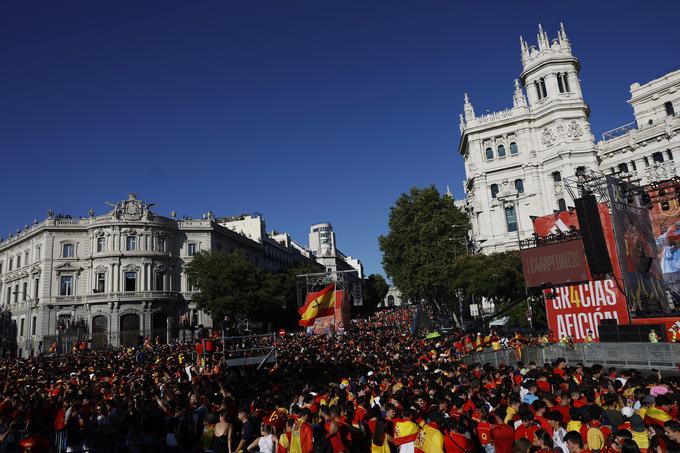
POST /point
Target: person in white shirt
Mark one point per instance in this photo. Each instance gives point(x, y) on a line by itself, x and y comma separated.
point(554, 419)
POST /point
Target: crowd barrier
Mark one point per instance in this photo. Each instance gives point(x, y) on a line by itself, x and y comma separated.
point(659, 356)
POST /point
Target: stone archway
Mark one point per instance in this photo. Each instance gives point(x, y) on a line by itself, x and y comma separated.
point(159, 326)
point(100, 330)
point(129, 329)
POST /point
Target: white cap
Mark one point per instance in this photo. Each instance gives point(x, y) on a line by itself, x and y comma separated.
point(627, 411)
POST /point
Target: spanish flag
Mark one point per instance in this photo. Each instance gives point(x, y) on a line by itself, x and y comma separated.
point(405, 431)
point(317, 304)
point(656, 416)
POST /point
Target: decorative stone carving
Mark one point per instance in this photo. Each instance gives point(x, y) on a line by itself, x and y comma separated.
point(547, 136)
point(131, 209)
point(574, 130)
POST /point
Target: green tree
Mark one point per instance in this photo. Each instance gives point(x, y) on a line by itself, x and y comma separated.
point(497, 276)
point(231, 285)
point(373, 289)
point(426, 234)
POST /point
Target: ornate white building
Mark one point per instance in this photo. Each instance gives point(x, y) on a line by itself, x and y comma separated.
point(118, 275)
point(516, 159)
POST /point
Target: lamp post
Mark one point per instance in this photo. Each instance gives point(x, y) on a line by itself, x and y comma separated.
point(459, 293)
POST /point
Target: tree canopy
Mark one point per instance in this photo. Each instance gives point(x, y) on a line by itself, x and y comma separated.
point(374, 290)
point(231, 285)
point(427, 232)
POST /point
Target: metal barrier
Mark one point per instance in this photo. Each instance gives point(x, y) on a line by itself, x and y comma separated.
point(660, 356)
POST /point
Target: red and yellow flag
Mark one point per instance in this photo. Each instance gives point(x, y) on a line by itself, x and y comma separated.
point(317, 304)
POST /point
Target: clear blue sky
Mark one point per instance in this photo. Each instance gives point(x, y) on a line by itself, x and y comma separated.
point(305, 111)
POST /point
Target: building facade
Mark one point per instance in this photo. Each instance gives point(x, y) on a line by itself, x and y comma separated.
point(116, 276)
point(516, 159)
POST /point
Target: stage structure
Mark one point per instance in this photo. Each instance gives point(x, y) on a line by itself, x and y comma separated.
point(610, 239)
point(347, 292)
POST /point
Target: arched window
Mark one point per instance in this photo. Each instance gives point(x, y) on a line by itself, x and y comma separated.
point(657, 157)
point(510, 219)
point(489, 153)
point(519, 186)
point(561, 204)
point(538, 91)
point(543, 90)
point(501, 151)
point(513, 149)
point(494, 190)
point(670, 111)
point(565, 80)
point(560, 85)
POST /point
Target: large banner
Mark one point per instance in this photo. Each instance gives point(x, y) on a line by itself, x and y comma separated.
point(636, 246)
point(554, 264)
point(573, 310)
point(665, 217)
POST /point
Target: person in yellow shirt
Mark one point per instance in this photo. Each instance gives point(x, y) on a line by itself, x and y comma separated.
point(637, 428)
point(653, 336)
point(589, 337)
point(674, 333)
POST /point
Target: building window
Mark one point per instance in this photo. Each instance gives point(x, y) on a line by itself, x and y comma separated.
point(8, 297)
point(24, 294)
point(494, 190)
point(633, 165)
point(646, 160)
point(100, 283)
point(560, 85)
point(34, 325)
point(0, 267)
point(623, 167)
point(18, 261)
point(11, 264)
point(16, 294)
point(191, 249)
point(101, 244)
point(26, 258)
point(538, 91)
point(66, 285)
point(131, 281)
point(38, 253)
point(580, 171)
point(513, 149)
point(190, 284)
point(541, 83)
point(130, 243)
point(561, 204)
point(160, 280)
point(510, 219)
point(36, 289)
point(565, 80)
point(160, 244)
point(501, 151)
point(669, 154)
point(556, 176)
point(519, 186)
point(670, 111)
point(21, 327)
point(67, 250)
point(657, 157)
point(489, 153)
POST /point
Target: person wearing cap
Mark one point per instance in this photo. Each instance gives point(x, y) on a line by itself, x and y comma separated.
point(637, 428)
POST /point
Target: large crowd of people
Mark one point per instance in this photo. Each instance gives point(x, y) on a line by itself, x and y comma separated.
point(376, 388)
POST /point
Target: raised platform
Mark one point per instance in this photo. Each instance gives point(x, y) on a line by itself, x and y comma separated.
point(660, 356)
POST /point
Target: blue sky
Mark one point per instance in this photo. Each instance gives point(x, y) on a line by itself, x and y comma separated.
point(305, 111)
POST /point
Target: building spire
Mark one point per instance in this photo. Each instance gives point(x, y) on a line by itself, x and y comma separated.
point(563, 34)
point(542, 38)
point(468, 109)
point(448, 192)
point(518, 99)
point(524, 48)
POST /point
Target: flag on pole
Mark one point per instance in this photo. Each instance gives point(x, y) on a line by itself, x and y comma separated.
point(317, 304)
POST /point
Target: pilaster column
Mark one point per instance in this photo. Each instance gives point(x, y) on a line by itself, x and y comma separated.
point(551, 85)
point(574, 84)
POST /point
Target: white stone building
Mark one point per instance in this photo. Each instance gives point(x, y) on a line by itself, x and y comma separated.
point(116, 276)
point(516, 159)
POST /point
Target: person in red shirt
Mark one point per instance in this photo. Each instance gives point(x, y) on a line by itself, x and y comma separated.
point(484, 431)
point(527, 429)
point(503, 435)
point(454, 440)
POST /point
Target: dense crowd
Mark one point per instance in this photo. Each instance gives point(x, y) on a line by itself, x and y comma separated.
point(373, 389)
